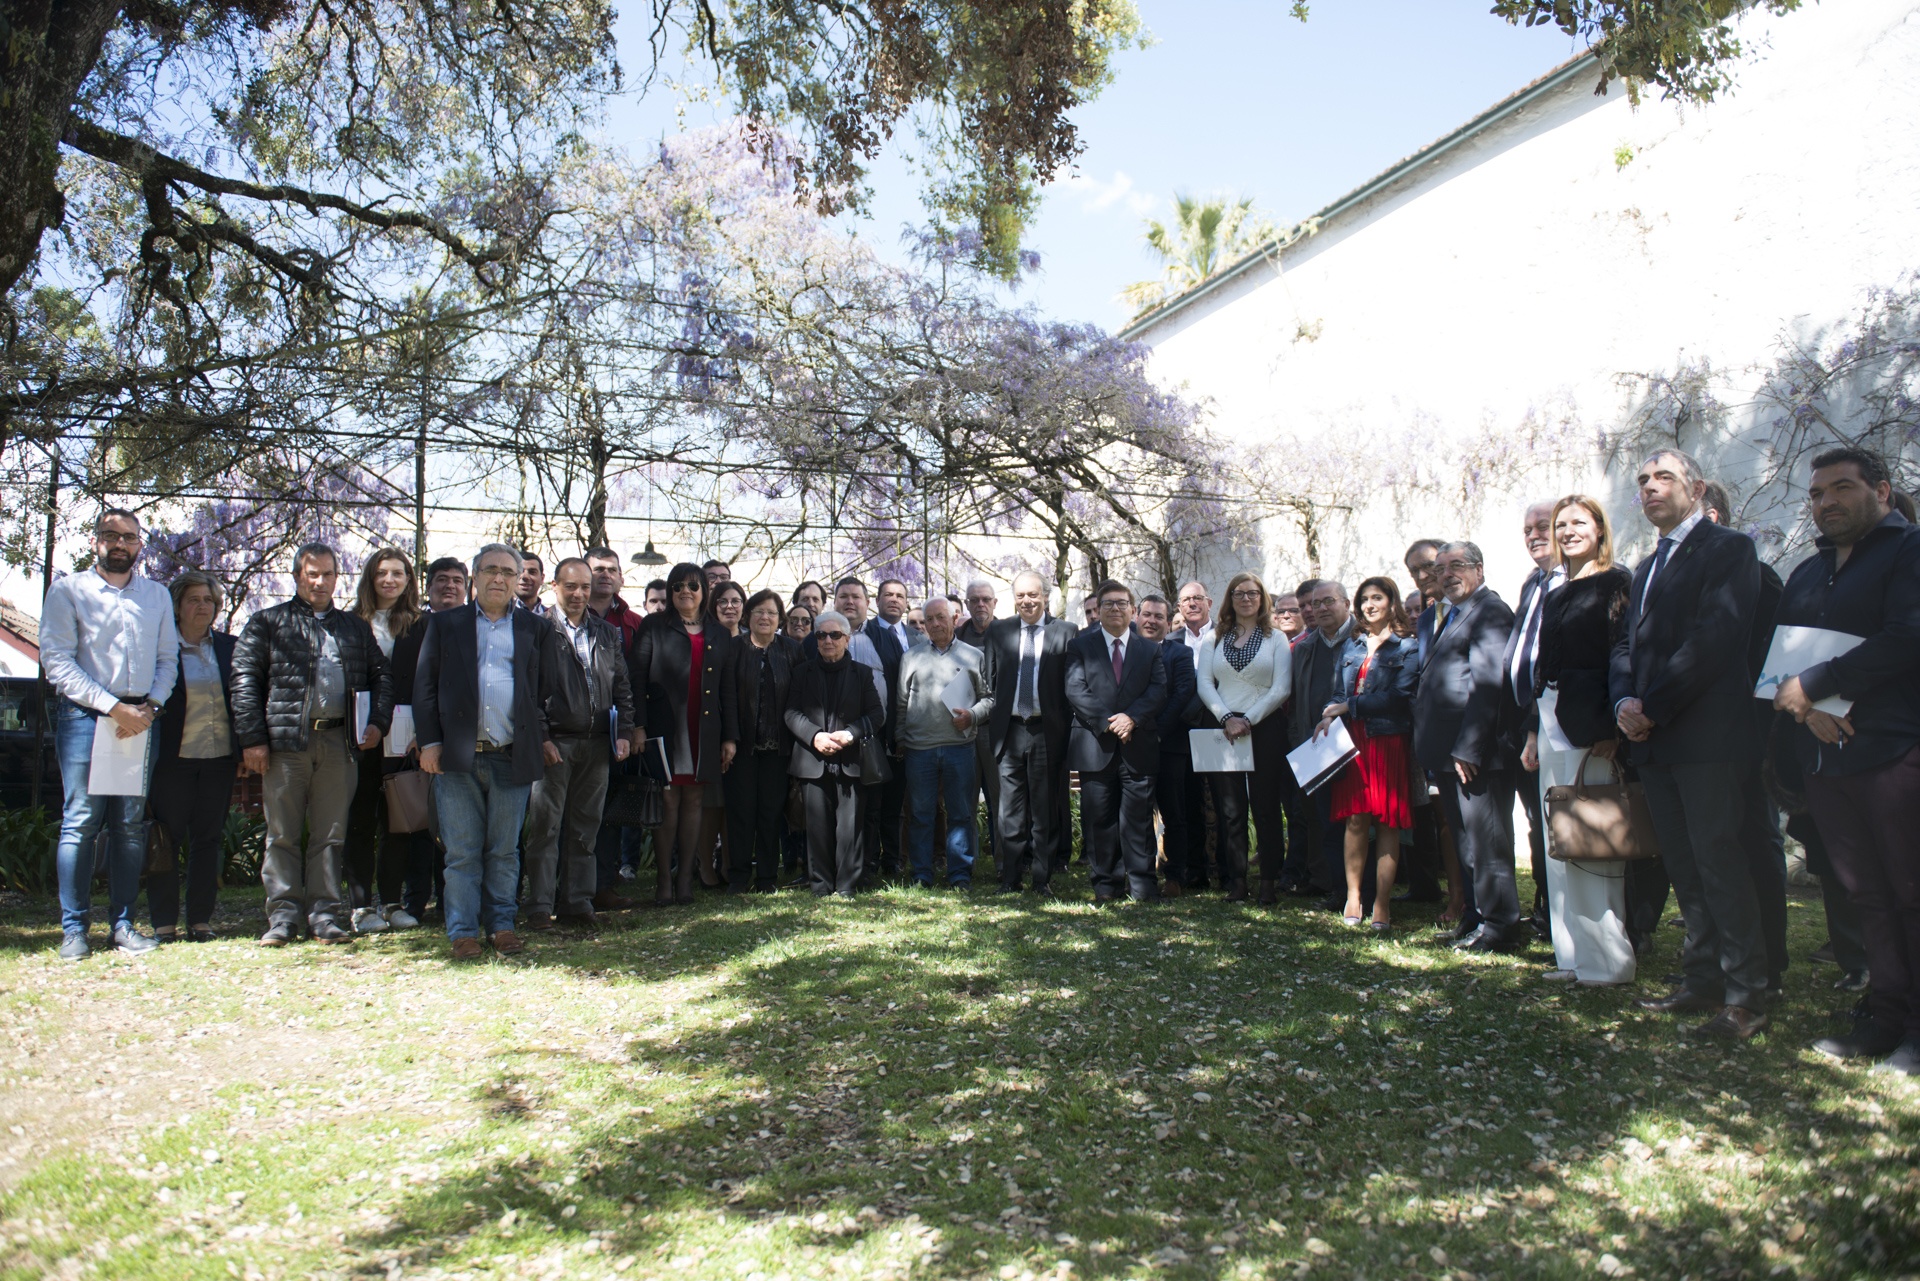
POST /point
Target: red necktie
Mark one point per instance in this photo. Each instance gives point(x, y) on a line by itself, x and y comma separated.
point(1116, 660)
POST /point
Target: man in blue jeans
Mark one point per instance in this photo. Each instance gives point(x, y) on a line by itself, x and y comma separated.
point(476, 709)
point(109, 649)
point(940, 696)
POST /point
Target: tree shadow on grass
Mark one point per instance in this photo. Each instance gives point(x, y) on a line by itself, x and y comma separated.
point(1008, 1088)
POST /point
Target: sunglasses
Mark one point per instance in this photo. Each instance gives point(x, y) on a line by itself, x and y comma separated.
point(827, 636)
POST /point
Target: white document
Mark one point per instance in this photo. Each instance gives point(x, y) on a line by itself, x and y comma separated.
point(958, 695)
point(362, 714)
point(1215, 753)
point(119, 765)
point(1316, 761)
point(400, 732)
point(1793, 651)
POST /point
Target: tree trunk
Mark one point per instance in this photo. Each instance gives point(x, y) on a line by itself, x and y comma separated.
point(51, 49)
point(597, 455)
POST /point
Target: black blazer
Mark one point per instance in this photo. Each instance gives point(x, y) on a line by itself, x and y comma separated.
point(1182, 684)
point(446, 691)
point(1458, 712)
point(740, 687)
point(1003, 678)
point(1582, 621)
point(173, 717)
point(406, 659)
point(658, 666)
point(1094, 695)
point(887, 645)
point(1683, 652)
point(856, 707)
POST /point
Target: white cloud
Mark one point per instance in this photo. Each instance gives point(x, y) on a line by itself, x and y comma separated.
point(1118, 192)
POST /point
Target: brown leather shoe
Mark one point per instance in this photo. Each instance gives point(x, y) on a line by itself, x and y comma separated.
point(584, 920)
point(539, 921)
point(1170, 889)
point(1680, 1001)
point(466, 949)
point(608, 901)
point(1269, 893)
point(506, 942)
point(1733, 1023)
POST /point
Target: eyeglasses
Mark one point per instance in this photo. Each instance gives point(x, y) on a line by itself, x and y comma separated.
point(112, 539)
point(1247, 593)
point(1116, 603)
point(499, 571)
point(1286, 609)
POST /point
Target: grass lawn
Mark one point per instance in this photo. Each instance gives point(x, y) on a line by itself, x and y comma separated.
point(921, 1084)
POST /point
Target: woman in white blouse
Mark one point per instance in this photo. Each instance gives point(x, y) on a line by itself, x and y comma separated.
point(1245, 673)
point(379, 862)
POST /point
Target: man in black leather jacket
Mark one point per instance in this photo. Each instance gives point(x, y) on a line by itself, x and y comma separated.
point(299, 668)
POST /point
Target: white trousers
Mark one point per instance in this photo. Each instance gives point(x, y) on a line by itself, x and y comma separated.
point(1587, 901)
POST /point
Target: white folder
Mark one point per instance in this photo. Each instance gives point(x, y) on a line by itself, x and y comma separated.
point(1215, 753)
point(118, 766)
point(1318, 760)
point(1793, 651)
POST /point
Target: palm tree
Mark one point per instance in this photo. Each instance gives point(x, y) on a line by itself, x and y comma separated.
point(1205, 235)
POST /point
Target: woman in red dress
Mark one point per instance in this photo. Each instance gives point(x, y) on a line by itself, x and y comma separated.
point(1373, 693)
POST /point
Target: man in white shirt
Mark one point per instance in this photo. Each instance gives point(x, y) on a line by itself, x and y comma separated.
point(1523, 651)
point(109, 649)
point(1196, 617)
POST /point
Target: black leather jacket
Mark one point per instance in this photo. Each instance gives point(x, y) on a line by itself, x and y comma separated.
point(273, 667)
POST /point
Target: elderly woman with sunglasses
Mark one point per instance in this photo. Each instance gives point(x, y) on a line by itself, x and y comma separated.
point(832, 706)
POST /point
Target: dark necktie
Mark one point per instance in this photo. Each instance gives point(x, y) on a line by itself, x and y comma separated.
point(1116, 660)
point(1025, 703)
point(1660, 555)
point(1523, 679)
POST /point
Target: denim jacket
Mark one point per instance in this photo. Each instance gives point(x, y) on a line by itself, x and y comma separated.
point(1386, 705)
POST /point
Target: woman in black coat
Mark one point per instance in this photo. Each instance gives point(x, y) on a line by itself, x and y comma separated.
point(193, 775)
point(832, 707)
point(677, 666)
point(755, 752)
point(1582, 616)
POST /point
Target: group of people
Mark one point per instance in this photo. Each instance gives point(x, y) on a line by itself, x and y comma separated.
point(863, 735)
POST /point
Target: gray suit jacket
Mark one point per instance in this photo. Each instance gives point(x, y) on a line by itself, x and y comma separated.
point(1459, 712)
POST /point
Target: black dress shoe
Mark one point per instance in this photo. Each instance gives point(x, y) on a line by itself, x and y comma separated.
point(1680, 1001)
point(1484, 939)
point(1045, 891)
point(1005, 888)
point(1237, 891)
point(1868, 1040)
point(328, 932)
point(277, 935)
point(1104, 900)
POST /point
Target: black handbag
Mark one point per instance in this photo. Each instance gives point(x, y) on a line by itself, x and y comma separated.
point(874, 765)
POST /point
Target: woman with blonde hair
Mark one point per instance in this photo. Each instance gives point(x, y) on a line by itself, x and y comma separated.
point(1244, 674)
point(1580, 620)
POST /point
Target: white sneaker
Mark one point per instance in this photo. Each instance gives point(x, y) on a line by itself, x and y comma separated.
point(400, 919)
point(367, 920)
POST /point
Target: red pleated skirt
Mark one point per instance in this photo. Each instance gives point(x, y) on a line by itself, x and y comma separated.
point(1378, 782)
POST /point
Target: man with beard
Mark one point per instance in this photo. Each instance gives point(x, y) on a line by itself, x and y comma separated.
point(109, 649)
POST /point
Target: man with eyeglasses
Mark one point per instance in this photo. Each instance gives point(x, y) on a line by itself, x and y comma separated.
point(477, 706)
point(1116, 685)
point(109, 649)
point(1319, 867)
point(1193, 628)
point(298, 669)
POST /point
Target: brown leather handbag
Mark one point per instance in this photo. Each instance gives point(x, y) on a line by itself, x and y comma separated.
point(1599, 823)
point(409, 796)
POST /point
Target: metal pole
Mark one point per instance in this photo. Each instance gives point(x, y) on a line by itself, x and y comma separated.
point(46, 583)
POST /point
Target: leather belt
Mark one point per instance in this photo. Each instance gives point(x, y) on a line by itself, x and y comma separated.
point(131, 700)
point(487, 745)
point(330, 723)
point(1031, 722)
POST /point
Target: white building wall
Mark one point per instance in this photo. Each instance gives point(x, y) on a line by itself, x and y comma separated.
point(1526, 271)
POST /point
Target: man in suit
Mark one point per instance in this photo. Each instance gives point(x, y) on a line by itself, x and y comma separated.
point(1461, 739)
point(887, 632)
point(1683, 696)
point(1116, 686)
point(478, 713)
point(583, 678)
point(1523, 651)
point(1027, 731)
point(981, 603)
point(1153, 617)
point(1321, 867)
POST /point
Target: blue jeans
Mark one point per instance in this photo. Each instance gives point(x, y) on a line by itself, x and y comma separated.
point(480, 818)
point(125, 818)
point(945, 773)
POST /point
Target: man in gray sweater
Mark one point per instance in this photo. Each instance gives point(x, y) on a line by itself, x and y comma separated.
point(941, 695)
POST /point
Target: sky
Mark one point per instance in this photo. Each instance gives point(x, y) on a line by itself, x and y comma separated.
point(1233, 97)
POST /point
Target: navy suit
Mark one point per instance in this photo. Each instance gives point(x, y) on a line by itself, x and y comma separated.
point(1116, 777)
point(888, 798)
point(1522, 714)
point(1684, 654)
